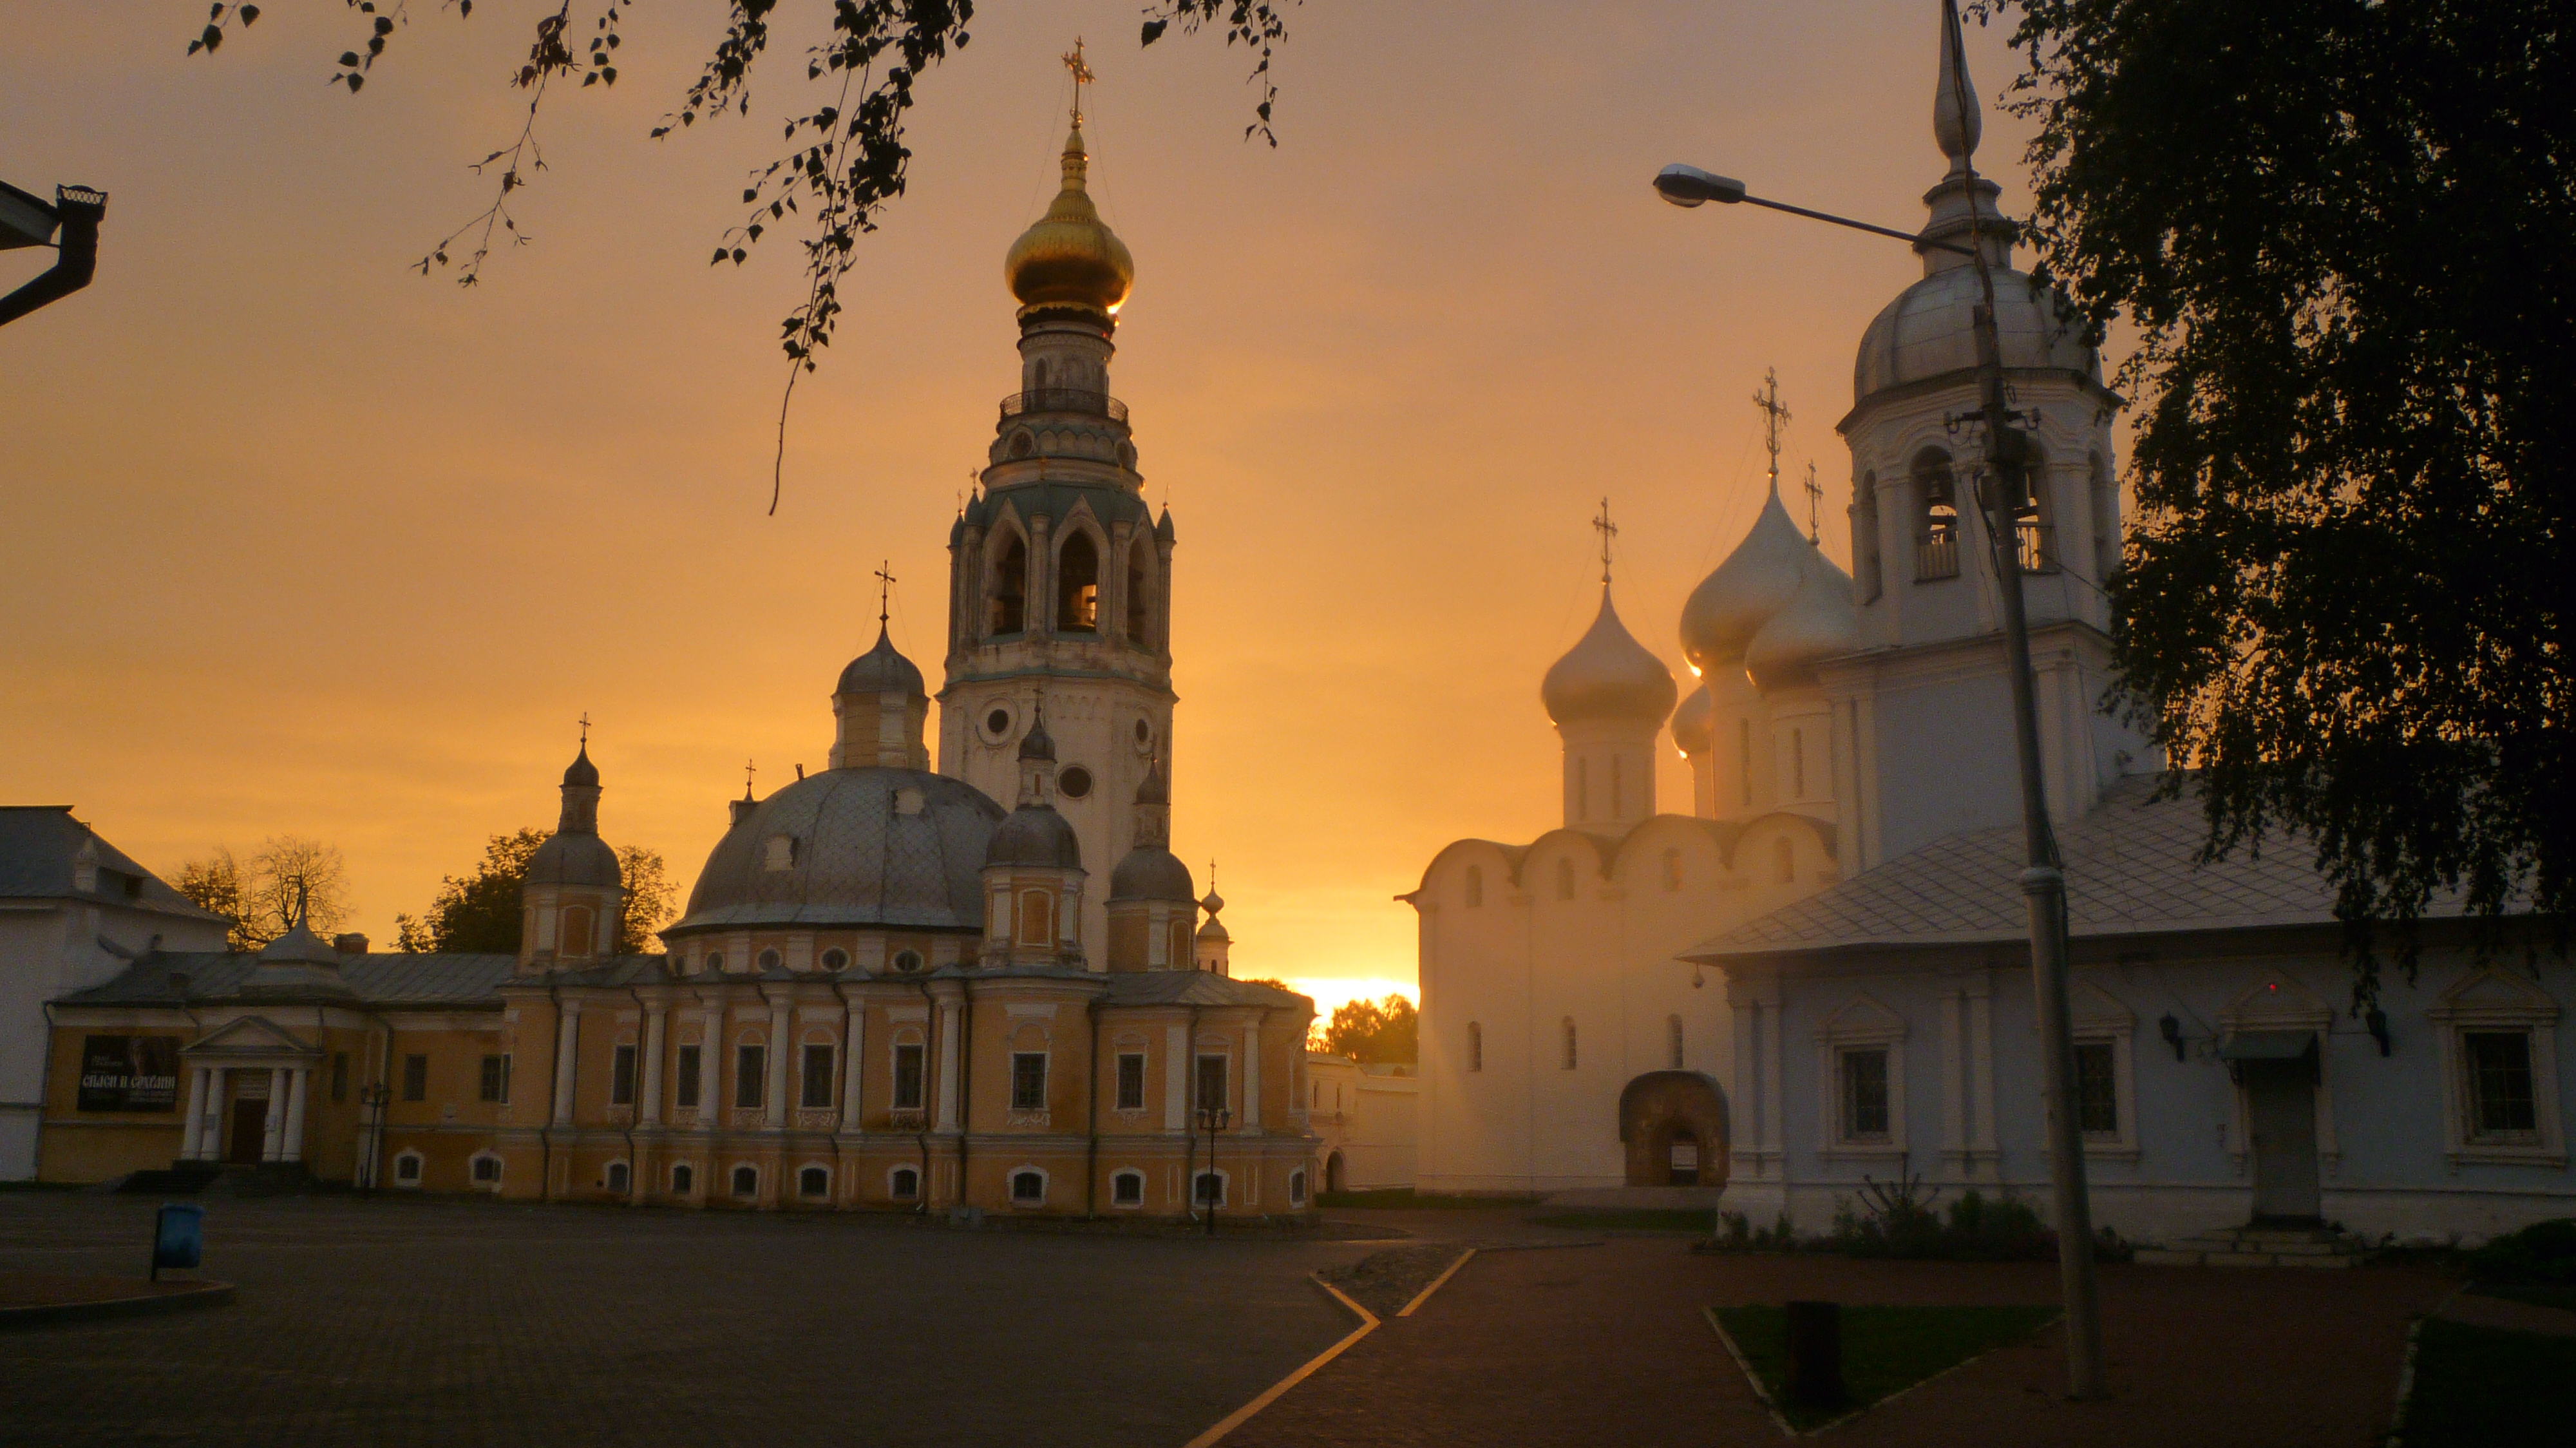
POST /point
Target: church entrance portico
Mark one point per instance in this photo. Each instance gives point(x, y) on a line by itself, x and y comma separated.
point(1673, 1124)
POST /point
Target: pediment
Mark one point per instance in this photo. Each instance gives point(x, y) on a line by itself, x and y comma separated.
point(250, 1035)
point(2276, 1000)
point(2495, 992)
point(1862, 1019)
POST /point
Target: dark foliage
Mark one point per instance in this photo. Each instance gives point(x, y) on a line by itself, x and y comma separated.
point(480, 913)
point(2542, 1253)
point(2340, 230)
point(1385, 1031)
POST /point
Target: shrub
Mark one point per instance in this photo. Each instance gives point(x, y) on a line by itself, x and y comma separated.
point(2544, 1252)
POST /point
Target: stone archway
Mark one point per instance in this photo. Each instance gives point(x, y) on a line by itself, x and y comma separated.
point(1674, 1126)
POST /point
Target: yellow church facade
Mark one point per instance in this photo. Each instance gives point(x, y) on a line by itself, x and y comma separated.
point(889, 991)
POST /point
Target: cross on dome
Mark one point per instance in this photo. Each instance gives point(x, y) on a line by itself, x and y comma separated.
point(1608, 530)
point(1773, 416)
point(885, 589)
point(1081, 77)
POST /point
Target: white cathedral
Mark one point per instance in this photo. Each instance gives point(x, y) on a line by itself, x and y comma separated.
point(1821, 974)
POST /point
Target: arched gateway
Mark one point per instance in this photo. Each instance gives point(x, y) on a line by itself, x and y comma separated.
point(1674, 1125)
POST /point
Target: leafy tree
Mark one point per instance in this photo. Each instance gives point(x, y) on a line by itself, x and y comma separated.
point(260, 898)
point(479, 913)
point(2340, 232)
point(844, 157)
point(1374, 1031)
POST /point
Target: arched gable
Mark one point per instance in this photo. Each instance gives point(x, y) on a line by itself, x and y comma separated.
point(1500, 862)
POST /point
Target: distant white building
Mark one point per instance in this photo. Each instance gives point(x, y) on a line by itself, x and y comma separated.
point(1366, 1127)
point(1845, 891)
point(74, 912)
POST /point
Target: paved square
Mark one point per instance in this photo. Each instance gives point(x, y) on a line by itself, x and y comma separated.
point(403, 1321)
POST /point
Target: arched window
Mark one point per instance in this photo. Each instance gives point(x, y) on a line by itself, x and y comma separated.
point(576, 931)
point(1127, 1189)
point(684, 1179)
point(1037, 917)
point(1673, 1040)
point(617, 1177)
point(1211, 1189)
point(487, 1169)
point(1140, 611)
point(1296, 1189)
point(1077, 585)
point(1028, 1189)
point(814, 1181)
point(1564, 879)
point(746, 1181)
point(904, 1185)
point(1672, 870)
point(1570, 1056)
point(1784, 861)
point(1744, 756)
point(1475, 885)
point(1011, 588)
point(1865, 538)
point(1936, 517)
point(1475, 1046)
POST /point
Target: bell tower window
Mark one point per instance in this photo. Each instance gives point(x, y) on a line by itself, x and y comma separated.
point(1010, 589)
point(1137, 613)
point(1936, 534)
point(1077, 596)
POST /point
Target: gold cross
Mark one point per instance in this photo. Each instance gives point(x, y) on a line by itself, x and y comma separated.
point(746, 779)
point(885, 586)
point(1081, 77)
point(1608, 530)
point(585, 728)
point(1773, 414)
point(1814, 495)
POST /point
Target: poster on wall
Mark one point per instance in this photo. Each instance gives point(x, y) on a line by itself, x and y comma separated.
point(130, 1073)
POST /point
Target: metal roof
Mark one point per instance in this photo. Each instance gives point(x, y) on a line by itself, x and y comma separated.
point(38, 847)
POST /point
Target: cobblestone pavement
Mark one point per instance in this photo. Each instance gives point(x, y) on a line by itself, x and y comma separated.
point(1608, 1345)
point(403, 1321)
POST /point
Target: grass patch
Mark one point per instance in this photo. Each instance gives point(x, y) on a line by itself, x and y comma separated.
point(1885, 1349)
point(2538, 1294)
point(1697, 1221)
point(1406, 1199)
point(2489, 1388)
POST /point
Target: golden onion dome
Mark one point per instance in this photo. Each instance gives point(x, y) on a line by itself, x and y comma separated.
point(1070, 257)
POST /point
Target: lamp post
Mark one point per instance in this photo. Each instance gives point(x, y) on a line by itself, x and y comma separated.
point(2043, 881)
point(1212, 1120)
point(373, 1097)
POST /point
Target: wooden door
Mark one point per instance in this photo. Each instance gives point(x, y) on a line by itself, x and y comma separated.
point(250, 1133)
point(2281, 1113)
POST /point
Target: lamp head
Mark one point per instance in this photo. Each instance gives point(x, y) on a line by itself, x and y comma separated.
point(1689, 186)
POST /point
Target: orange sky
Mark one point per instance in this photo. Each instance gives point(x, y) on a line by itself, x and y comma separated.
point(299, 541)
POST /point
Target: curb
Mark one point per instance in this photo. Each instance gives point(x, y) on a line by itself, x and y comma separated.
point(48, 1314)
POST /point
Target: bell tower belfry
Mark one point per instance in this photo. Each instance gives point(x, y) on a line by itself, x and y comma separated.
point(1059, 571)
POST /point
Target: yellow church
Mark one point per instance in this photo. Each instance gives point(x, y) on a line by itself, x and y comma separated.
point(888, 992)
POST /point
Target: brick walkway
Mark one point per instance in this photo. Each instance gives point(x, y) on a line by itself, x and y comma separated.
point(1607, 1345)
point(409, 1321)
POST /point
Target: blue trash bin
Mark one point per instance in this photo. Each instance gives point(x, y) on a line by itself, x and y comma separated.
point(178, 1237)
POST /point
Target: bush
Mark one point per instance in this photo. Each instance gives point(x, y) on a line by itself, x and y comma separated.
point(2544, 1252)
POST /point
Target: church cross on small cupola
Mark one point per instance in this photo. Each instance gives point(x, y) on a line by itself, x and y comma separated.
point(585, 729)
point(747, 772)
point(1774, 416)
point(885, 589)
point(1815, 496)
point(1081, 77)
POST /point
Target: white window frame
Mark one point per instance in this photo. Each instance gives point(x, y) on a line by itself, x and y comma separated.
point(825, 1194)
point(2102, 1019)
point(607, 1167)
point(896, 1170)
point(1011, 1187)
point(1117, 1081)
point(678, 1190)
point(419, 1169)
point(476, 1160)
point(2499, 1001)
point(1127, 1173)
point(1046, 1065)
point(1860, 1024)
point(2280, 1001)
point(894, 1072)
point(737, 1193)
point(1224, 1187)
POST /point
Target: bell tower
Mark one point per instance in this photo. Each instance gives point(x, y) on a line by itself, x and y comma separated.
point(1059, 572)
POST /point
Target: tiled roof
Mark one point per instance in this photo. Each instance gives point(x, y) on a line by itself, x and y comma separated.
point(2131, 869)
point(391, 979)
point(37, 846)
point(1195, 988)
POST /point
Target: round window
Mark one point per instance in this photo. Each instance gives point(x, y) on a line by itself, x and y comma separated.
point(836, 960)
point(907, 961)
point(1144, 734)
point(997, 724)
point(770, 960)
point(715, 960)
point(1075, 782)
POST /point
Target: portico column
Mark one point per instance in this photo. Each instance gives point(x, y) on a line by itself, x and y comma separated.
point(192, 1139)
point(567, 1043)
point(654, 1014)
point(210, 1131)
point(294, 1143)
point(947, 1068)
point(273, 1130)
point(850, 1063)
point(778, 1048)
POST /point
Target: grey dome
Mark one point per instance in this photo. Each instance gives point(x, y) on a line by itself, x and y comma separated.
point(1038, 744)
point(1607, 675)
point(1035, 835)
point(1695, 723)
point(1818, 623)
point(879, 669)
point(581, 773)
point(1739, 596)
point(869, 846)
point(570, 857)
point(1929, 331)
point(1152, 874)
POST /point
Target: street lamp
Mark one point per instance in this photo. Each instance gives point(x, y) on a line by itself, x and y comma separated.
point(1212, 1119)
point(2043, 882)
point(373, 1097)
point(26, 220)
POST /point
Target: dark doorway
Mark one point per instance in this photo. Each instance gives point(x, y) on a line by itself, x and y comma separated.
point(1674, 1125)
point(2281, 1113)
point(250, 1133)
point(1333, 1173)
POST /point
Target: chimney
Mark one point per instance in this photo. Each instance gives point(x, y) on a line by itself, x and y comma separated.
point(350, 944)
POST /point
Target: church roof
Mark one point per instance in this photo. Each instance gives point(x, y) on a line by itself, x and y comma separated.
point(392, 978)
point(863, 846)
point(2131, 869)
point(39, 847)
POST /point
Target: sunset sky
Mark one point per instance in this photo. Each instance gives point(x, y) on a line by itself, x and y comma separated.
point(299, 541)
